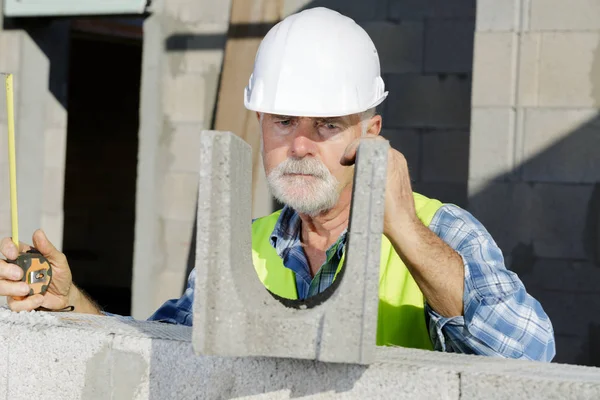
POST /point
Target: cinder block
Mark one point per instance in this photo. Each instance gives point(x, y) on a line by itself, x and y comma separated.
point(500, 386)
point(56, 114)
point(50, 362)
point(417, 101)
point(234, 315)
point(179, 374)
point(494, 80)
point(498, 16)
point(400, 46)
point(376, 10)
point(560, 216)
point(52, 224)
point(445, 156)
point(184, 148)
point(179, 195)
point(5, 333)
point(491, 144)
point(563, 276)
point(449, 46)
point(190, 11)
point(529, 63)
point(176, 240)
point(5, 193)
point(183, 98)
point(568, 70)
point(171, 284)
point(574, 15)
point(55, 147)
point(54, 179)
point(419, 9)
point(10, 52)
point(407, 142)
point(453, 193)
point(562, 145)
point(505, 209)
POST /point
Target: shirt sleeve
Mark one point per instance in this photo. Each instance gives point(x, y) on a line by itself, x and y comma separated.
point(500, 317)
point(178, 311)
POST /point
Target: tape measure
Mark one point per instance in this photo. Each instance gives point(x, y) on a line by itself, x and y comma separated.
point(37, 272)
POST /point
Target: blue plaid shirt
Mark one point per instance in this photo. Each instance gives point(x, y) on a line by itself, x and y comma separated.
point(500, 317)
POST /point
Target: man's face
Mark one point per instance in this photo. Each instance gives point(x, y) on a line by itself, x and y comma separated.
point(301, 157)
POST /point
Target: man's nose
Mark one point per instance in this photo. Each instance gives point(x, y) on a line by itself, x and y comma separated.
point(303, 143)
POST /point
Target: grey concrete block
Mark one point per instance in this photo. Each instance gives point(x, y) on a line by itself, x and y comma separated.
point(407, 142)
point(574, 15)
point(148, 360)
point(449, 46)
point(496, 386)
point(46, 362)
point(400, 46)
point(561, 275)
point(567, 70)
point(5, 333)
point(562, 146)
point(419, 9)
point(417, 101)
point(445, 156)
point(560, 215)
point(491, 153)
point(494, 76)
point(271, 378)
point(375, 10)
point(505, 209)
point(233, 313)
point(194, 11)
point(453, 193)
point(497, 16)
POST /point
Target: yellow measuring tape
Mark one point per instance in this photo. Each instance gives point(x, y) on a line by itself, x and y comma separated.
point(12, 164)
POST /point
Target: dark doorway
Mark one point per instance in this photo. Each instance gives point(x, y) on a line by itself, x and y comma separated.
point(101, 165)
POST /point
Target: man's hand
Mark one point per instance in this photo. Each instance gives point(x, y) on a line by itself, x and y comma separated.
point(399, 201)
point(60, 294)
point(437, 269)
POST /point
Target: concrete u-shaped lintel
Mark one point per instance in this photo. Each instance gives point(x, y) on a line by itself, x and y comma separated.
point(234, 315)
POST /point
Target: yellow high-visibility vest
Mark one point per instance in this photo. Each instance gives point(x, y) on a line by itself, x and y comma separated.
point(401, 316)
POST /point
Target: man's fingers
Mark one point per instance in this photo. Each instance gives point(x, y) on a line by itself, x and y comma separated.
point(26, 304)
point(10, 271)
point(10, 251)
point(43, 245)
point(13, 289)
point(349, 157)
point(350, 154)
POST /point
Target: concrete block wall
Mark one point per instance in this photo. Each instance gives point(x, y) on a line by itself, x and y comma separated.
point(76, 356)
point(27, 50)
point(182, 58)
point(534, 161)
point(426, 53)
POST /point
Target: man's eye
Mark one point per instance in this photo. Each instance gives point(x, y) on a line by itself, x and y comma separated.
point(285, 122)
point(331, 126)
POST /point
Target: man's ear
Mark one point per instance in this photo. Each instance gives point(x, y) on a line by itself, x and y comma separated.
point(375, 124)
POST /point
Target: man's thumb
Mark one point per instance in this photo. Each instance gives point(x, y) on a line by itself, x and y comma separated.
point(43, 245)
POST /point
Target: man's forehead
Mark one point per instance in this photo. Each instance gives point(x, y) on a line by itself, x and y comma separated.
point(338, 118)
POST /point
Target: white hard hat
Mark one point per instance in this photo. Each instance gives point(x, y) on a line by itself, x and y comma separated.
point(316, 63)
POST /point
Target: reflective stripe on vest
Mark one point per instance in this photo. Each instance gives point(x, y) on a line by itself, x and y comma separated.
point(401, 316)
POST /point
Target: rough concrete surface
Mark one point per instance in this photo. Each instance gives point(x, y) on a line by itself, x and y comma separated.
point(75, 356)
point(234, 313)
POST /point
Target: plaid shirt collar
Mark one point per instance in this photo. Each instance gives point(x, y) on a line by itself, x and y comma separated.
point(286, 235)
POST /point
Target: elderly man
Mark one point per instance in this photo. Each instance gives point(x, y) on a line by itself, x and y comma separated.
point(314, 88)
